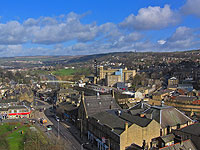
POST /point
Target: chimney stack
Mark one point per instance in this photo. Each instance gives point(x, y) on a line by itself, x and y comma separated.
point(119, 112)
point(126, 126)
point(162, 103)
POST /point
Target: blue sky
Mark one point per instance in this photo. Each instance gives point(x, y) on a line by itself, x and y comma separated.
point(81, 27)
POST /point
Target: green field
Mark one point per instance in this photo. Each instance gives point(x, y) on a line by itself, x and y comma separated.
point(11, 138)
point(64, 72)
point(67, 72)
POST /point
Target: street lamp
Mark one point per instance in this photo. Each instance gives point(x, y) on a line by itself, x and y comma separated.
point(58, 129)
point(81, 123)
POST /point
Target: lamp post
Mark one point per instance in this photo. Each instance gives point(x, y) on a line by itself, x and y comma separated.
point(81, 123)
point(58, 129)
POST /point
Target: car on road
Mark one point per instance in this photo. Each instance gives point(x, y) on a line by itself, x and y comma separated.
point(49, 127)
point(57, 118)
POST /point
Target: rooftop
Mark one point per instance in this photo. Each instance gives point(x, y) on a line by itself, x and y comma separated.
point(116, 120)
point(95, 104)
point(184, 145)
point(193, 129)
point(112, 121)
point(167, 115)
point(8, 100)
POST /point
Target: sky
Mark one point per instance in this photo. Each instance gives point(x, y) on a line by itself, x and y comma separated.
point(82, 27)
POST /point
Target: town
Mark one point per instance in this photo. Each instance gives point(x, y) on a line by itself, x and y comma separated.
point(117, 101)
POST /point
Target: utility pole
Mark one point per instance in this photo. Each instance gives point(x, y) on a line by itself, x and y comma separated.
point(81, 123)
point(58, 131)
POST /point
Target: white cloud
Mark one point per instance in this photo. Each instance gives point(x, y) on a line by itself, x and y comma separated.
point(12, 33)
point(59, 31)
point(151, 18)
point(183, 38)
point(10, 50)
point(161, 42)
point(48, 30)
point(191, 7)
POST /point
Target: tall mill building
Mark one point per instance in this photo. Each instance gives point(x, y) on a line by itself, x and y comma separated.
point(112, 76)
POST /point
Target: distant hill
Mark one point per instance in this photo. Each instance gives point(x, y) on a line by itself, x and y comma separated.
point(127, 58)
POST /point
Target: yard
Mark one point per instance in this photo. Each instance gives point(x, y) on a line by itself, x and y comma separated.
point(19, 136)
point(11, 136)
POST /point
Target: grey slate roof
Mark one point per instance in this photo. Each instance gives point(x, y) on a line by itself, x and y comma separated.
point(142, 122)
point(185, 98)
point(167, 116)
point(117, 122)
point(3, 109)
point(8, 100)
point(17, 107)
point(95, 104)
point(168, 138)
point(67, 106)
point(113, 121)
point(193, 129)
point(139, 108)
point(185, 145)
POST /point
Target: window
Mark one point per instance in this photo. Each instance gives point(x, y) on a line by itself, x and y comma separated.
point(178, 125)
point(160, 132)
point(168, 129)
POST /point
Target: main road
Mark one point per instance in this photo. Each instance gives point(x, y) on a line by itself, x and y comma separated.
point(64, 132)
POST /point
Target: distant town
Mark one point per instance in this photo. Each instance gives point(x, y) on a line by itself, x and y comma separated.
point(111, 101)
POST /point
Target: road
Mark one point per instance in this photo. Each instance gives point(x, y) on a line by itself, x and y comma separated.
point(64, 132)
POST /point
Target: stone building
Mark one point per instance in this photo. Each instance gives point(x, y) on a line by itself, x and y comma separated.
point(112, 76)
point(172, 81)
point(91, 105)
point(63, 95)
point(120, 130)
point(168, 117)
point(191, 132)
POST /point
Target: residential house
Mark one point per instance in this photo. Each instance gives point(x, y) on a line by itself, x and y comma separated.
point(63, 95)
point(183, 145)
point(163, 141)
point(191, 132)
point(5, 103)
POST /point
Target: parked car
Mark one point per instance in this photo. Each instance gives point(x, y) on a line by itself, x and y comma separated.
point(49, 127)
